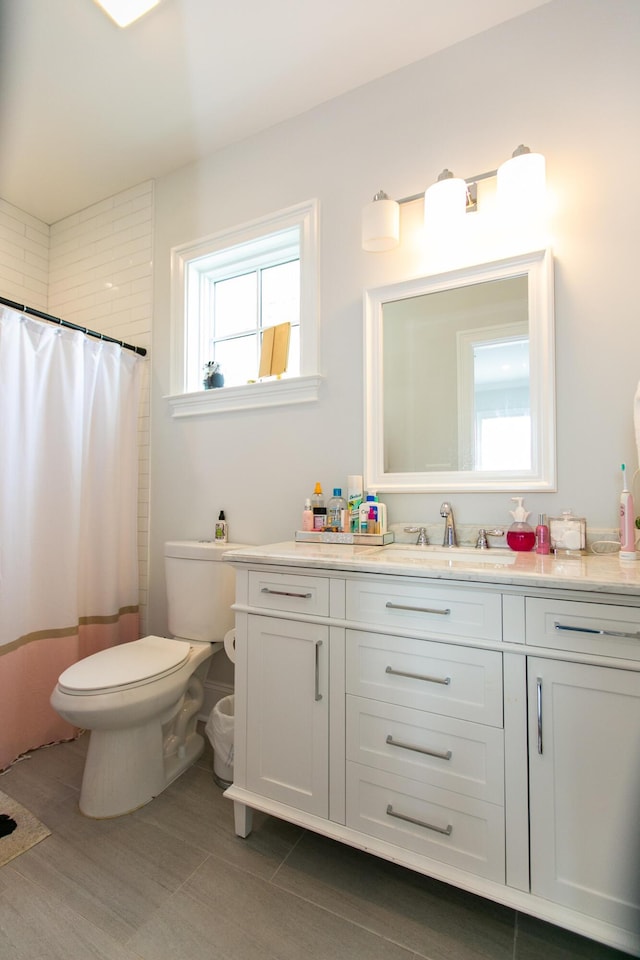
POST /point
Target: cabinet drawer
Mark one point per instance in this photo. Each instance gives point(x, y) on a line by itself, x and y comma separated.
point(283, 591)
point(598, 628)
point(455, 830)
point(454, 681)
point(456, 755)
point(425, 607)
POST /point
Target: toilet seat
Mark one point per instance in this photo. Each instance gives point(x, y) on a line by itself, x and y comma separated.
point(127, 665)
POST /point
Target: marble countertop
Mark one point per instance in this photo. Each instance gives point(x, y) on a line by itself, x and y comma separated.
point(586, 572)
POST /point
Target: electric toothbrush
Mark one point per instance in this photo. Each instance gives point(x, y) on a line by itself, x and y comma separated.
point(627, 521)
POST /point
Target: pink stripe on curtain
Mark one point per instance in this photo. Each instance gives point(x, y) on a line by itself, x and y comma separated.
point(29, 674)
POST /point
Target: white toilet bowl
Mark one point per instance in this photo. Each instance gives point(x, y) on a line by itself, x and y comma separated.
point(141, 700)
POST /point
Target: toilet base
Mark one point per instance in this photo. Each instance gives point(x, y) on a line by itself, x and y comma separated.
point(125, 769)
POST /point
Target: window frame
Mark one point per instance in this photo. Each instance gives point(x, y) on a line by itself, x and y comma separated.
point(266, 393)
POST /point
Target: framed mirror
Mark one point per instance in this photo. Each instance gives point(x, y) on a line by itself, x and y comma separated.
point(460, 380)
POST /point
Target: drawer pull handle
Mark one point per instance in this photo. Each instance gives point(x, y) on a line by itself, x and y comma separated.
point(539, 711)
point(404, 606)
point(419, 823)
point(418, 676)
point(601, 633)
point(441, 755)
point(317, 694)
point(285, 593)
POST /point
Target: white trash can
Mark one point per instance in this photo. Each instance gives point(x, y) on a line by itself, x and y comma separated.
point(219, 729)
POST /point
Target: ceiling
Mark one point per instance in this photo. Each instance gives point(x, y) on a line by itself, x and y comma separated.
point(88, 109)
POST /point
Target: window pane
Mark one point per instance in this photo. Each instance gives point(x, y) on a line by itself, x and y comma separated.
point(238, 359)
point(235, 305)
point(281, 294)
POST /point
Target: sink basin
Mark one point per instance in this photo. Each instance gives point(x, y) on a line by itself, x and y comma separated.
point(409, 553)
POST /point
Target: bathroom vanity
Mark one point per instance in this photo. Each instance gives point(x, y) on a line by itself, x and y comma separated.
point(471, 716)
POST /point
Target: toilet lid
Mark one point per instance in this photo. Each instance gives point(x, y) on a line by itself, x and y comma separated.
point(129, 663)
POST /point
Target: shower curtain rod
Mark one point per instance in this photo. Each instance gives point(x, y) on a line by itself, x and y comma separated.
point(74, 326)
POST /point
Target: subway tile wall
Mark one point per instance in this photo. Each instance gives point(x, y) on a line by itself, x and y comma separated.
point(94, 268)
point(24, 257)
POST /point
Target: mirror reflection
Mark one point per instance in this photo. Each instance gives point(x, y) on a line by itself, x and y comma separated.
point(464, 352)
point(460, 380)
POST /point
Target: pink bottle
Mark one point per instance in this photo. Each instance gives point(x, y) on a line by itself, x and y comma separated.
point(520, 536)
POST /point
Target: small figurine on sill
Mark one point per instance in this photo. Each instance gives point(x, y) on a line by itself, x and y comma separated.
point(212, 376)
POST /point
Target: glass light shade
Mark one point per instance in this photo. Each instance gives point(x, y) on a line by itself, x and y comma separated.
point(522, 184)
point(124, 12)
point(380, 225)
point(445, 203)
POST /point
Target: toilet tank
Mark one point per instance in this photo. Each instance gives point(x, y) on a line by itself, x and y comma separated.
point(200, 589)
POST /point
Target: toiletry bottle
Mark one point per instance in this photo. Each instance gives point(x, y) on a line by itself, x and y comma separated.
point(543, 543)
point(336, 509)
point(363, 518)
point(354, 499)
point(381, 513)
point(372, 517)
point(520, 536)
point(307, 515)
point(627, 521)
point(318, 507)
point(221, 534)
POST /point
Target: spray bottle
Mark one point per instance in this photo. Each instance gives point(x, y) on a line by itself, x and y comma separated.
point(627, 521)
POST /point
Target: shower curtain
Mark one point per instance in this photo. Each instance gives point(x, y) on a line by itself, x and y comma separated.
point(68, 515)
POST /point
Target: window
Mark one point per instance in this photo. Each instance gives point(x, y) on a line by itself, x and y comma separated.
point(227, 290)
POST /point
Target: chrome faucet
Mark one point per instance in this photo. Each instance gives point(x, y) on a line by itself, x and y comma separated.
point(449, 527)
point(423, 539)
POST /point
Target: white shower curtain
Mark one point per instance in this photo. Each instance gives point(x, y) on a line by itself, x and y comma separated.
point(68, 508)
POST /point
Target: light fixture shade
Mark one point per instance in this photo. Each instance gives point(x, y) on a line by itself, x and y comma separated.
point(380, 224)
point(522, 183)
point(124, 12)
point(445, 202)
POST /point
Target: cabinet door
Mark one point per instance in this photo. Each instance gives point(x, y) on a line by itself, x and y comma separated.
point(287, 712)
point(584, 763)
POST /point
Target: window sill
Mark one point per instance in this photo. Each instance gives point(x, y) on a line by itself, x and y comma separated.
point(266, 393)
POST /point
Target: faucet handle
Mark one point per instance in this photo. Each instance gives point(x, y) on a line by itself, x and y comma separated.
point(482, 542)
point(423, 539)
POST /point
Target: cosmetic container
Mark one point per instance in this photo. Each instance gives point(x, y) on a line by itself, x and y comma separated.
point(543, 539)
point(221, 534)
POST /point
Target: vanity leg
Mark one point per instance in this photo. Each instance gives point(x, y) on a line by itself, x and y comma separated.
point(243, 819)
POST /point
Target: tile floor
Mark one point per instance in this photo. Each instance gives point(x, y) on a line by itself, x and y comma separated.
point(173, 882)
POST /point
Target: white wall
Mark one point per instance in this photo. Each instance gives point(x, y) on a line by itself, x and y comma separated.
point(564, 79)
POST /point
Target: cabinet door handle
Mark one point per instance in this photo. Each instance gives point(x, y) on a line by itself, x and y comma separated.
point(419, 823)
point(441, 754)
point(539, 711)
point(285, 593)
point(404, 606)
point(418, 676)
point(601, 633)
point(317, 694)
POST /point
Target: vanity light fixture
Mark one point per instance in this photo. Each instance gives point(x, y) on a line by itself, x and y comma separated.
point(445, 201)
point(381, 223)
point(520, 188)
point(522, 182)
point(125, 12)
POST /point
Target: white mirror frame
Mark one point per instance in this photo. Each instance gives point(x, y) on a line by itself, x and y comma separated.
point(538, 266)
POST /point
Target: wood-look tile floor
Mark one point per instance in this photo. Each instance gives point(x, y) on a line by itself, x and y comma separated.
point(173, 882)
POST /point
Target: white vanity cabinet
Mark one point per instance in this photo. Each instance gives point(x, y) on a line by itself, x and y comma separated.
point(483, 733)
point(584, 761)
point(287, 703)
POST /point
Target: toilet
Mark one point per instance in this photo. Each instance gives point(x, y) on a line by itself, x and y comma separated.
point(141, 700)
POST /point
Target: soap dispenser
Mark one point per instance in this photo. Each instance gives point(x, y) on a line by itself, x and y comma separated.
point(520, 535)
